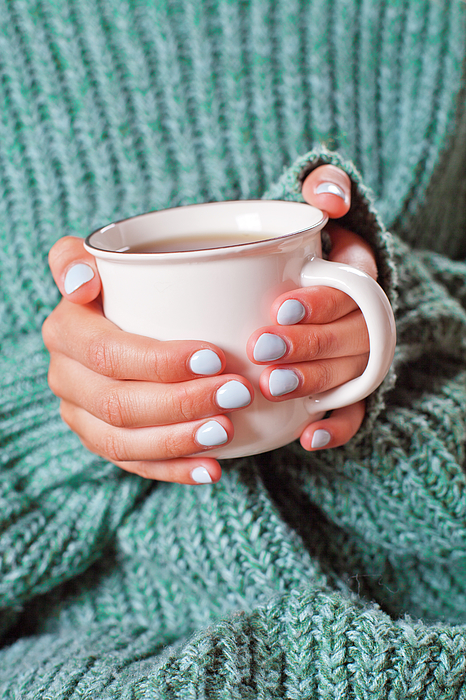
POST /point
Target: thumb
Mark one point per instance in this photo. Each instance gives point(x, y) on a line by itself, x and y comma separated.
point(74, 270)
point(328, 188)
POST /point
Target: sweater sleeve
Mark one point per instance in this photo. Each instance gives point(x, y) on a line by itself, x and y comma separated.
point(426, 290)
point(449, 274)
point(362, 217)
point(60, 505)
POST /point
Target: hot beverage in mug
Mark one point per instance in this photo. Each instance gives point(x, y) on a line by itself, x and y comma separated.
point(210, 272)
point(201, 242)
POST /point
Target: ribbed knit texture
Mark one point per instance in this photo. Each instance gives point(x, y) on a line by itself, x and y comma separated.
point(333, 575)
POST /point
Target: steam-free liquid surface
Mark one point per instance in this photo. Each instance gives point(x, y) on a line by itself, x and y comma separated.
point(199, 242)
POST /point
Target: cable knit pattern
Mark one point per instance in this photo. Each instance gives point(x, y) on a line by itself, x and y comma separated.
point(337, 574)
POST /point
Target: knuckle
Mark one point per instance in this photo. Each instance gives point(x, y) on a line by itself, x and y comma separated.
point(171, 445)
point(320, 343)
point(335, 304)
point(102, 357)
point(330, 304)
point(322, 377)
point(362, 335)
point(147, 363)
point(185, 404)
point(113, 409)
point(115, 448)
point(160, 362)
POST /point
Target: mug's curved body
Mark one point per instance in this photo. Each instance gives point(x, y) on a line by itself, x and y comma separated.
point(223, 294)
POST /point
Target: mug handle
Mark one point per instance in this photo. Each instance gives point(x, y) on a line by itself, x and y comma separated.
point(378, 314)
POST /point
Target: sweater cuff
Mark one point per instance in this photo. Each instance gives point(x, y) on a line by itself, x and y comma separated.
point(363, 219)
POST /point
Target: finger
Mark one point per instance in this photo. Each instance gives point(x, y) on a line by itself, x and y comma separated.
point(325, 304)
point(309, 378)
point(74, 270)
point(195, 470)
point(136, 404)
point(351, 249)
point(311, 305)
point(83, 334)
point(338, 429)
point(146, 444)
point(328, 188)
point(347, 335)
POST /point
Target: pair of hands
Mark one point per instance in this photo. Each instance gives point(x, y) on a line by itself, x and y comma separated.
point(144, 404)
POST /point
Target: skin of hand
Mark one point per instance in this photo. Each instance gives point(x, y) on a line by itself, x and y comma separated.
point(154, 408)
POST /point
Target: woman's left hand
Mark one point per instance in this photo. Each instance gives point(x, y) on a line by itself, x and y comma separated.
point(319, 338)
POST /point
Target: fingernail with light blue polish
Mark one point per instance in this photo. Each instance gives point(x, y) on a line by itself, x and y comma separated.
point(211, 434)
point(205, 362)
point(330, 188)
point(233, 395)
point(201, 476)
point(282, 381)
point(269, 347)
point(321, 438)
point(290, 312)
point(77, 276)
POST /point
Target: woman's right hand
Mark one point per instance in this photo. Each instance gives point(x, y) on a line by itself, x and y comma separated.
point(148, 406)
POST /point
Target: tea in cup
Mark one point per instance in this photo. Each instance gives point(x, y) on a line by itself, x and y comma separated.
point(210, 272)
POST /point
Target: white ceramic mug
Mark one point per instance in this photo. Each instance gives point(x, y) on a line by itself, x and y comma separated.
point(223, 294)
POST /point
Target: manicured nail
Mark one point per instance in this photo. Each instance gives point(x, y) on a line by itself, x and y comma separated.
point(282, 381)
point(330, 188)
point(233, 395)
point(290, 312)
point(269, 347)
point(205, 362)
point(321, 438)
point(211, 433)
point(77, 276)
point(201, 476)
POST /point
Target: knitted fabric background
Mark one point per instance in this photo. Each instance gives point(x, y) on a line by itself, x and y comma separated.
point(339, 574)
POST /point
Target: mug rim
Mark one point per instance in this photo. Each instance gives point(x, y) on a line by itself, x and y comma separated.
point(123, 255)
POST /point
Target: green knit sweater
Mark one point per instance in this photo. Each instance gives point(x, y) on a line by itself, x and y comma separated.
point(339, 574)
